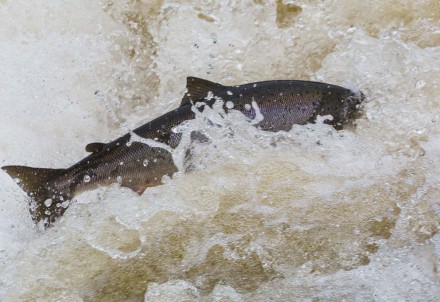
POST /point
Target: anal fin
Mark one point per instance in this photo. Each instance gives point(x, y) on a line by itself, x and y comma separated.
point(137, 188)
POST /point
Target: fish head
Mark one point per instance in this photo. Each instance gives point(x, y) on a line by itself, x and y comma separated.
point(342, 104)
point(353, 103)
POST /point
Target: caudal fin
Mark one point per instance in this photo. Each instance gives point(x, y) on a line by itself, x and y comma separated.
point(46, 204)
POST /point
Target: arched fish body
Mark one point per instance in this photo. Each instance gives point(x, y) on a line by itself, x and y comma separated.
point(281, 104)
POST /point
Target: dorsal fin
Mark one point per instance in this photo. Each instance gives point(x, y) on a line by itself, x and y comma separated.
point(198, 89)
point(95, 147)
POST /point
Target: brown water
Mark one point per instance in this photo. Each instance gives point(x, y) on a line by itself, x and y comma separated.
point(308, 215)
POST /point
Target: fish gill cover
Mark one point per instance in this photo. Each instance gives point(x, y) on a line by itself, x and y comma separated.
point(312, 213)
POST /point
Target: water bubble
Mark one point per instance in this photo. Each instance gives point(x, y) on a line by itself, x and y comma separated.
point(47, 212)
point(145, 162)
point(121, 163)
point(229, 105)
point(86, 178)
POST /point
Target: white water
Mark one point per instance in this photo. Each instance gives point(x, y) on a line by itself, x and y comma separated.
point(309, 215)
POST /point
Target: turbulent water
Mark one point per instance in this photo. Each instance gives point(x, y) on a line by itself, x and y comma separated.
point(307, 215)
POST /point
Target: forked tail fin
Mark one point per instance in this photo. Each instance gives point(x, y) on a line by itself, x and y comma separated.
point(46, 204)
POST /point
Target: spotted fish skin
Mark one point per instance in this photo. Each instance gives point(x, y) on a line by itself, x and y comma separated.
point(137, 164)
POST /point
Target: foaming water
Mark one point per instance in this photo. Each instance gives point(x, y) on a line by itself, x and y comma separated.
point(309, 214)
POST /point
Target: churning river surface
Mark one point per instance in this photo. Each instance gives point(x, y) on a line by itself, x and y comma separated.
point(307, 215)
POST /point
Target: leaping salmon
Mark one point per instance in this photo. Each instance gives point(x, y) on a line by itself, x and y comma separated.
point(281, 104)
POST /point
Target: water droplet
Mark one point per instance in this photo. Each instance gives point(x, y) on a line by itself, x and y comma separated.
point(210, 95)
point(121, 163)
point(229, 105)
point(86, 178)
point(47, 212)
point(214, 38)
point(229, 92)
point(420, 84)
point(48, 202)
point(145, 163)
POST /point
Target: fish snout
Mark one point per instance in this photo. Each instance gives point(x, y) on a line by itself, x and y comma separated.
point(345, 106)
point(353, 104)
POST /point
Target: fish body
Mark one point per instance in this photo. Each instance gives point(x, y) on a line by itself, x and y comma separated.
point(138, 164)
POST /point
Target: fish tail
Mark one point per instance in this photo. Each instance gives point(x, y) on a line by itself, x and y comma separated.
point(46, 205)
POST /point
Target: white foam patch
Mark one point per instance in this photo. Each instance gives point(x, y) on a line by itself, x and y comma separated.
point(176, 290)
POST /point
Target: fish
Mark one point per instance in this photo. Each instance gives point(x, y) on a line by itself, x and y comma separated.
point(141, 163)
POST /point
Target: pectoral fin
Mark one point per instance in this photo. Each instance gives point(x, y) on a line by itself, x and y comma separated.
point(95, 147)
